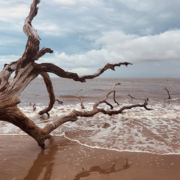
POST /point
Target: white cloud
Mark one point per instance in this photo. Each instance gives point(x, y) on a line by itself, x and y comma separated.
point(51, 29)
point(84, 71)
point(164, 46)
point(119, 47)
point(9, 14)
point(8, 59)
point(150, 5)
point(74, 2)
point(65, 2)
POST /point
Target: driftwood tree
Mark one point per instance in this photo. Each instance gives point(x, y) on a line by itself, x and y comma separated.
point(26, 69)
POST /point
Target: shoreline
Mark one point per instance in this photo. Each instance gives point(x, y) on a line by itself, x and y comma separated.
point(21, 158)
point(93, 147)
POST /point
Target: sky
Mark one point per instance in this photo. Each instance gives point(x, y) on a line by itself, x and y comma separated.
point(87, 34)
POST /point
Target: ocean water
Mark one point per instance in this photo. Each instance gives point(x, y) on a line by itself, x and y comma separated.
point(135, 130)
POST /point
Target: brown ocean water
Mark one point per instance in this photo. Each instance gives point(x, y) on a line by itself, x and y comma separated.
point(136, 130)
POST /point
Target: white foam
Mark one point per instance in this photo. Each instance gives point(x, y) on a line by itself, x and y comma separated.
point(137, 130)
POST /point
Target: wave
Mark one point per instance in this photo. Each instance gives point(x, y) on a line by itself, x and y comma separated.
point(135, 130)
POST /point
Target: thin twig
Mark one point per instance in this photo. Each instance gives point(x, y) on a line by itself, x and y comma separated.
point(115, 98)
point(82, 106)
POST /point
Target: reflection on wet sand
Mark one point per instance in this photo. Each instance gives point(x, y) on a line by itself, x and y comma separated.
point(44, 160)
point(44, 164)
point(98, 169)
point(20, 159)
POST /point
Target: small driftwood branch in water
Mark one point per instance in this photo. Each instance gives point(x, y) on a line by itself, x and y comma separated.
point(134, 98)
point(59, 102)
point(34, 107)
point(131, 97)
point(82, 106)
point(168, 93)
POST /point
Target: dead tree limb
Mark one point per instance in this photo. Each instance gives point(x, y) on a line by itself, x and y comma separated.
point(168, 93)
point(49, 67)
point(50, 90)
point(82, 106)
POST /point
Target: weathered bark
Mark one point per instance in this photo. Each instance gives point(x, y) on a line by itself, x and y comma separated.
point(15, 116)
point(26, 70)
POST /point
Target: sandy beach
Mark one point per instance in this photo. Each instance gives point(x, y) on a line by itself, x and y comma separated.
point(22, 159)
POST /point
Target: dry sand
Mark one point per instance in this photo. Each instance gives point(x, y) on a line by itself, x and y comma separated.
point(22, 159)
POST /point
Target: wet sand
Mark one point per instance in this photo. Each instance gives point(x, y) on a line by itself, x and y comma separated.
point(22, 159)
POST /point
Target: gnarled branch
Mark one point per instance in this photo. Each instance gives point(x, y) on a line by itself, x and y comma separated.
point(106, 67)
point(48, 67)
point(73, 116)
point(50, 90)
point(28, 29)
point(42, 52)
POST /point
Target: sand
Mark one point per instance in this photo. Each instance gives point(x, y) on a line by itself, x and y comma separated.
point(22, 159)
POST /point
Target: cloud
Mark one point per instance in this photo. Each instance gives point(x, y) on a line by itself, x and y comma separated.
point(73, 2)
point(51, 29)
point(65, 2)
point(164, 46)
point(8, 59)
point(120, 47)
point(151, 5)
point(9, 14)
point(86, 34)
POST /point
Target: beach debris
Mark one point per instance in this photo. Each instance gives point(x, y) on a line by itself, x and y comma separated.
point(168, 93)
point(82, 106)
point(131, 97)
point(34, 107)
point(83, 169)
point(59, 102)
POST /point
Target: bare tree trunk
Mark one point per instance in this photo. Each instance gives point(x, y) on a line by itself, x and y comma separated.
point(15, 116)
